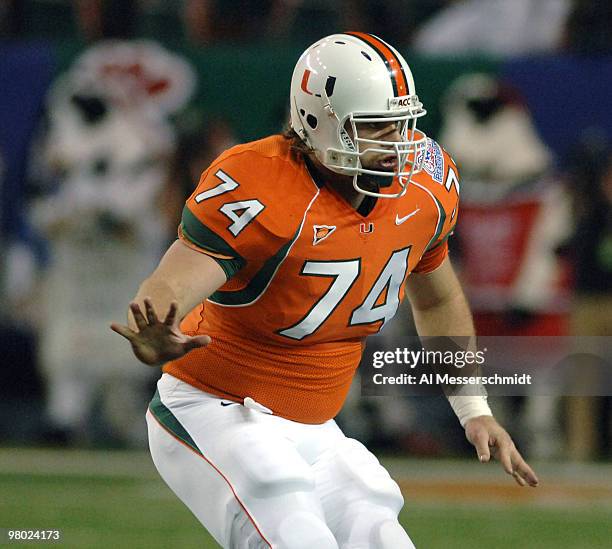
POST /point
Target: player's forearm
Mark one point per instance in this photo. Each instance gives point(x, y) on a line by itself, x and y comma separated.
point(440, 309)
point(183, 276)
point(449, 322)
point(449, 317)
point(452, 317)
point(439, 306)
point(161, 295)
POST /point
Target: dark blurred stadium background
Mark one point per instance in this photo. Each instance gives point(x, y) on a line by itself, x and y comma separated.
point(213, 73)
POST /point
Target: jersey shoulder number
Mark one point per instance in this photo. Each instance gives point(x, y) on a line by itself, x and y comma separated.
point(238, 209)
point(239, 212)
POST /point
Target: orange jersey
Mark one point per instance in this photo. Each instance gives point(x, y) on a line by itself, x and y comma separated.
point(310, 277)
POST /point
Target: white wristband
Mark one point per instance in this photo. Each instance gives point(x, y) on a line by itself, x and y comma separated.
point(467, 407)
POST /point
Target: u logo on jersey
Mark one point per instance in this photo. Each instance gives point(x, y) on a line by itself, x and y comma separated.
point(321, 232)
point(366, 228)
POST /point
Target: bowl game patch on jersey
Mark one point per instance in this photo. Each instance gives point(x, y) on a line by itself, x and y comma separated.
point(433, 163)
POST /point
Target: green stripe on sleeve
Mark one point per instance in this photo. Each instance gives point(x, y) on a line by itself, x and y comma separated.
point(200, 234)
point(442, 240)
point(441, 221)
point(230, 266)
point(203, 237)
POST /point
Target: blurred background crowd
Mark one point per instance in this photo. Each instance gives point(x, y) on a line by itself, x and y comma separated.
point(111, 109)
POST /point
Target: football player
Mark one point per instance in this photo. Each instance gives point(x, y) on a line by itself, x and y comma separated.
point(291, 251)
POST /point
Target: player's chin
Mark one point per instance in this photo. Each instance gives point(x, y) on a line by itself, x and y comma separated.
point(372, 182)
point(385, 181)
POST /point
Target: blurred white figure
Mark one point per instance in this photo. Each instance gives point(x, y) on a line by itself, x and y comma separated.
point(514, 216)
point(140, 74)
point(109, 142)
point(495, 27)
point(515, 212)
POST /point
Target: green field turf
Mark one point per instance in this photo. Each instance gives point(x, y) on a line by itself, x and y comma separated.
point(100, 501)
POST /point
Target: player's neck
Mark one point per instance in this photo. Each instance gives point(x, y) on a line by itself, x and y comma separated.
point(342, 185)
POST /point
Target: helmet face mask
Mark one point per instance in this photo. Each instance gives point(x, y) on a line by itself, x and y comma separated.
point(342, 87)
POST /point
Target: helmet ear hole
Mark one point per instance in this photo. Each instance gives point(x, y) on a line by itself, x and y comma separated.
point(312, 121)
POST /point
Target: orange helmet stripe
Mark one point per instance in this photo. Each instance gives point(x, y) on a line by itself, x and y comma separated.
point(396, 71)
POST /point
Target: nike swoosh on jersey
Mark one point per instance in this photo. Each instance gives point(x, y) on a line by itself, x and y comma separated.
point(399, 220)
point(228, 403)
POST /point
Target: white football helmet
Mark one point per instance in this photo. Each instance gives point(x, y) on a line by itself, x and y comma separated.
point(350, 78)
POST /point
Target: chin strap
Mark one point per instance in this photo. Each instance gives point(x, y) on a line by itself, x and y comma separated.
point(380, 181)
point(375, 179)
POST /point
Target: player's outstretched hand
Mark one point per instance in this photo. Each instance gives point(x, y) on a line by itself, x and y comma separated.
point(157, 341)
point(491, 439)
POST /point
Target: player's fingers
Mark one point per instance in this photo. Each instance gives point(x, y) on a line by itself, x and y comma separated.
point(519, 480)
point(197, 341)
point(171, 316)
point(123, 331)
point(151, 314)
point(480, 440)
point(138, 316)
point(522, 468)
point(502, 453)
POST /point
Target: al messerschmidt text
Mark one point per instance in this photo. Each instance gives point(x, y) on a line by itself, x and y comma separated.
point(447, 379)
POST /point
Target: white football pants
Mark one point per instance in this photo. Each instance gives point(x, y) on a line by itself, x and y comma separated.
point(255, 480)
